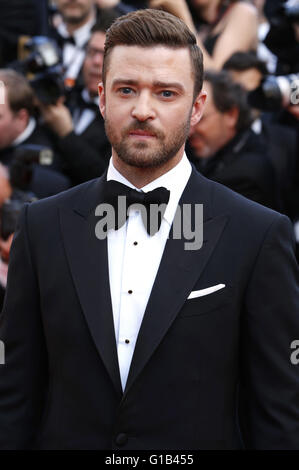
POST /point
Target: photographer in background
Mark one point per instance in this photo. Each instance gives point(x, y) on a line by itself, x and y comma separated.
point(20, 18)
point(275, 93)
point(280, 141)
point(18, 127)
point(279, 94)
point(78, 124)
point(225, 149)
point(11, 201)
point(282, 38)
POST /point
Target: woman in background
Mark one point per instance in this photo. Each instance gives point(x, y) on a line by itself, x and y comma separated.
point(222, 27)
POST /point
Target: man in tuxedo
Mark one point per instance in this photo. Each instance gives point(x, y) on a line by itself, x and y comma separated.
point(77, 124)
point(73, 33)
point(132, 341)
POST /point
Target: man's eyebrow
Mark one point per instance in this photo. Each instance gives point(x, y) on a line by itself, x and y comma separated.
point(122, 81)
point(176, 85)
point(156, 84)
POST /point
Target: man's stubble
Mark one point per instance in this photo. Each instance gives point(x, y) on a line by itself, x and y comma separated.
point(144, 154)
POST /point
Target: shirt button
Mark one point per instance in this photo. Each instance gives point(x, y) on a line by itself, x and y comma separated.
point(121, 439)
point(127, 341)
point(130, 292)
point(135, 243)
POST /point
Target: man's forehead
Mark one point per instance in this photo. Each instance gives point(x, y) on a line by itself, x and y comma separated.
point(97, 38)
point(160, 51)
point(162, 61)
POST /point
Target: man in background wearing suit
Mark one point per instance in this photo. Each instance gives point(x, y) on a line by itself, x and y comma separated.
point(77, 124)
point(19, 128)
point(73, 33)
point(225, 149)
point(133, 341)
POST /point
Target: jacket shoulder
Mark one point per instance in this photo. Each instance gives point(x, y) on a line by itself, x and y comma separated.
point(83, 195)
point(225, 200)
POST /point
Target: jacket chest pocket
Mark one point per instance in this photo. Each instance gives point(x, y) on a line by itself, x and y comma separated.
point(204, 304)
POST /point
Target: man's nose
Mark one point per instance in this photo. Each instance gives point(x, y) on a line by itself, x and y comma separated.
point(98, 59)
point(143, 107)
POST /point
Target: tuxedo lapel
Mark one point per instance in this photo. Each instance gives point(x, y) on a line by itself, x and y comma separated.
point(178, 272)
point(88, 261)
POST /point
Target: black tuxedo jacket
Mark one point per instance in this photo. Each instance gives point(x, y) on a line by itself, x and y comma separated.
point(212, 372)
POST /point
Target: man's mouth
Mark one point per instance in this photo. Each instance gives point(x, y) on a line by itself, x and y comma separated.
point(95, 76)
point(141, 133)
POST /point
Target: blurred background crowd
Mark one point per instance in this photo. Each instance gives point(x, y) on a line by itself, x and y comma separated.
point(52, 134)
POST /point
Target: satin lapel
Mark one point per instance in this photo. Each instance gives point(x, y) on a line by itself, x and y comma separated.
point(88, 261)
point(178, 272)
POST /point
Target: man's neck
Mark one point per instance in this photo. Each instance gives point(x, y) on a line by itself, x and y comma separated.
point(72, 27)
point(140, 177)
point(25, 132)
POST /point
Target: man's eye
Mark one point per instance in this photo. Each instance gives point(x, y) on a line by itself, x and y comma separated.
point(125, 90)
point(167, 94)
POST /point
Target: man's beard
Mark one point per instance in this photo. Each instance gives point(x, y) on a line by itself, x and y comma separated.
point(74, 20)
point(140, 154)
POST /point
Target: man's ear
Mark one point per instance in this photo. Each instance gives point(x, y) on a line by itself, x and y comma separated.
point(102, 99)
point(21, 120)
point(23, 116)
point(198, 107)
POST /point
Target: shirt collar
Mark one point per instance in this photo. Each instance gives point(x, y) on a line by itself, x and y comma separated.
point(174, 180)
point(89, 99)
point(257, 126)
point(26, 132)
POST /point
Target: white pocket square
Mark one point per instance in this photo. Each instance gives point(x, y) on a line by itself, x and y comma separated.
point(208, 290)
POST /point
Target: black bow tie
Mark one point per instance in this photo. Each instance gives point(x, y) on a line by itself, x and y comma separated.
point(89, 105)
point(67, 40)
point(113, 190)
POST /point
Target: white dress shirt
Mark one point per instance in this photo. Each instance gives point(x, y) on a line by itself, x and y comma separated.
point(26, 132)
point(73, 55)
point(82, 119)
point(134, 258)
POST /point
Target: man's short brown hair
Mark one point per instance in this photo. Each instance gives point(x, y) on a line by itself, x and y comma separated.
point(148, 28)
point(18, 91)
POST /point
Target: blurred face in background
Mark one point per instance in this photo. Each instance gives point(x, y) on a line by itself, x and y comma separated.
point(5, 193)
point(12, 124)
point(204, 3)
point(296, 30)
point(75, 11)
point(5, 246)
point(214, 130)
point(249, 79)
point(201, 5)
point(92, 68)
point(5, 187)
